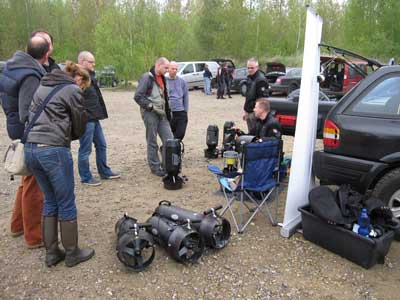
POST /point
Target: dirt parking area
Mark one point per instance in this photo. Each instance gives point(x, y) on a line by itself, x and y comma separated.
point(259, 264)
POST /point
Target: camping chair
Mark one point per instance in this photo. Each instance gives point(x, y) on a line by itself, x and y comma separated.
point(259, 180)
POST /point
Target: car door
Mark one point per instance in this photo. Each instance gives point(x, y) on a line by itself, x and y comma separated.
point(187, 75)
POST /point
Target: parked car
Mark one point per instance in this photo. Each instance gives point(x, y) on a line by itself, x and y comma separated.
point(287, 83)
point(274, 70)
point(192, 72)
point(362, 140)
point(239, 81)
point(107, 77)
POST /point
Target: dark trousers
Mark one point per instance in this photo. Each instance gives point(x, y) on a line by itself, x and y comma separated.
point(220, 89)
point(179, 123)
point(228, 84)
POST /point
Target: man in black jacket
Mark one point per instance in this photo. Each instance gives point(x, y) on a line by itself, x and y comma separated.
point(257, 87)
point(19, 81)
point(266, 126)
point(50, 64)
point(96, 111)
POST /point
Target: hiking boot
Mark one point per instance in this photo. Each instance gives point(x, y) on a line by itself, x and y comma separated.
point(69, 238)
point(50, 238)
point(92, 182)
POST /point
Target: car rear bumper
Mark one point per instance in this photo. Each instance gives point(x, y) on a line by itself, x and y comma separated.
point(339, 169)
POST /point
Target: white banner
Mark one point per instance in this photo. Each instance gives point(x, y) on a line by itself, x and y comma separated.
point(301, 179)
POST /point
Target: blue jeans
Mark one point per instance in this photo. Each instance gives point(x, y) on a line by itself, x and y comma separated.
point(207, 86)
point(93, 134)
point(53, 169)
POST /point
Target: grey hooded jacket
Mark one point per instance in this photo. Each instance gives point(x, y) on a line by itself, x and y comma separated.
point(64, 117)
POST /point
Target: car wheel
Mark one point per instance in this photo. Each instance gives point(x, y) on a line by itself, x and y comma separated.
point(388, 190)
point(243, 90)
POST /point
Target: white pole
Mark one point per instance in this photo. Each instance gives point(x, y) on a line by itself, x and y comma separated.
point(301, 179)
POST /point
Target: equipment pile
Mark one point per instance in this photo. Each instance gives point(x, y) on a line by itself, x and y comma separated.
point(184, 234)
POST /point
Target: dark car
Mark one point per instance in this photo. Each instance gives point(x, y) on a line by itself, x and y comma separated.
point(362, 139)
point(239, 81)
point(287, 83)
point(107, 77)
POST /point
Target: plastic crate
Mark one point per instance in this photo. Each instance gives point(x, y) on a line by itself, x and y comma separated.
point(361, 250)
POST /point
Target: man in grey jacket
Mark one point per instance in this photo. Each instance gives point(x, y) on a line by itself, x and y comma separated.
point(152, 97)
point(178, 101)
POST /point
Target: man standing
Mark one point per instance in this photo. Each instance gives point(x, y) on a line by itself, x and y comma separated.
point(266, 125)
point(50, 64)
point(96, 111)
point(178, 101)
point(19, 81)
point(207, 80)
point(257, 87)
point(221, 80)
point(152, 97)
point(228, 79)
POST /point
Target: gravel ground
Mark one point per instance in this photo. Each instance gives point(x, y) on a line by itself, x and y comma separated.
point(259, 264)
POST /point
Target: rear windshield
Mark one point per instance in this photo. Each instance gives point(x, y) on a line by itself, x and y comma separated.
point(294, 72)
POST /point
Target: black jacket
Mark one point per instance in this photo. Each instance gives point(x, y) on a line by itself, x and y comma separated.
point(51, 66)
point(222, 75)
point(269, 127)
point(19, 81)
point(94, 102)
point(257, 87)
point(64, 117)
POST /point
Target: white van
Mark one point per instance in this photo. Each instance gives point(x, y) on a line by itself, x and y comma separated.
point(192, 72)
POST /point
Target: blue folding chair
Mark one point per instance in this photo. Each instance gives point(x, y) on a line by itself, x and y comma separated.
point(259, 182)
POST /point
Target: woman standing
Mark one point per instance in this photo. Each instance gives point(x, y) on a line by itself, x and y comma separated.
point(48, 156)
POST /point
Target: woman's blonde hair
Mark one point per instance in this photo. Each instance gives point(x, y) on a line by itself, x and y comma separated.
point(73, 69)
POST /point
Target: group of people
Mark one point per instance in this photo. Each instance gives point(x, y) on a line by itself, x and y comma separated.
point(223, 79)
point(49, 108)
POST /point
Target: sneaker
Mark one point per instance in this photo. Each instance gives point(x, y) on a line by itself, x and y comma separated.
point(92, 182)
point(159, 172)
point(112, 176)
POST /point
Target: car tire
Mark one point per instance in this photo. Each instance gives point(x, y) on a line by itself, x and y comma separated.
point(388, 190)
point(243, 90)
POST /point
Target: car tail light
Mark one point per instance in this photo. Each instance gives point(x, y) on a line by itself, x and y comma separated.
point(278, 80)
point(331, 134)
point(286, 120)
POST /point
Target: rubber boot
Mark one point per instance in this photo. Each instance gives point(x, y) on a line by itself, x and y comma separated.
point(50, 238)
point(69, 238)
